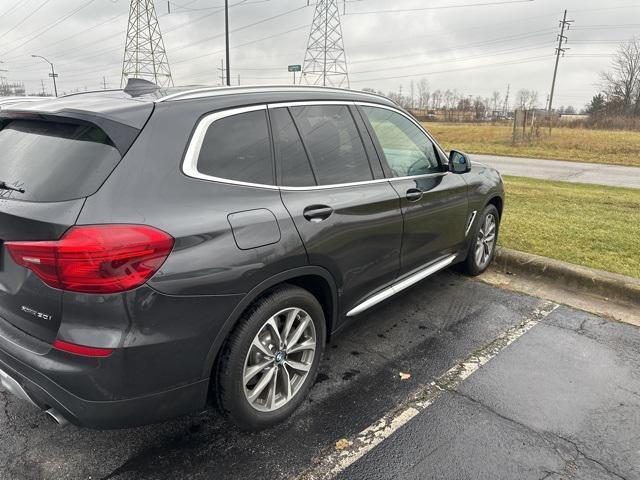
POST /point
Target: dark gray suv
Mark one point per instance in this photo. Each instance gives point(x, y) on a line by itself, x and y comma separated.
point(163, 250)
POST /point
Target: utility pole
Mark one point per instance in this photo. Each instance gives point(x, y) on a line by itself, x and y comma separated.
point(562, 39)
point(222, 74)
point(104, 83)
point(506, 102)
point(42, 83)
point(238, 79)
point(226, 36)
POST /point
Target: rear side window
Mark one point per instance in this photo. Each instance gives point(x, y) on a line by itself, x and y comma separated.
point(238, 148)
point(54, 161)
point(294, 165)
point(334, 144)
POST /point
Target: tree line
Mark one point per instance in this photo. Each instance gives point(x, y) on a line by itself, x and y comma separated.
point(420, 96)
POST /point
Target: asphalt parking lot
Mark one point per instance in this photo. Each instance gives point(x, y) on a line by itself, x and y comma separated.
point(561, 399)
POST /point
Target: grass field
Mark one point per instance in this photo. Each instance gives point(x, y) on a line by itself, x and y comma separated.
point(588, 225)
point(574, 144)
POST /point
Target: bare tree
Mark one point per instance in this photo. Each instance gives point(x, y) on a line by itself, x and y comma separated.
point(527, 99)
point(436, 99)
point(621, 84)
point(480, 108)
point(496, 102)
point(412, 94)
point(423, 93)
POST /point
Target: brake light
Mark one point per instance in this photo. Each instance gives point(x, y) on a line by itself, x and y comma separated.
point(81, 349)
point(96, 258)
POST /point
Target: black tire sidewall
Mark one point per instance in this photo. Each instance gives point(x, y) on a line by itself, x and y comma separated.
point(231, 398)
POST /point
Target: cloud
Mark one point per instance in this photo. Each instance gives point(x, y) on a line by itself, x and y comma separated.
point(475, 50)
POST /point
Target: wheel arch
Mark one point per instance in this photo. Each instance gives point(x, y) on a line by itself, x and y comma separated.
point(315, 279)
point(497, 202)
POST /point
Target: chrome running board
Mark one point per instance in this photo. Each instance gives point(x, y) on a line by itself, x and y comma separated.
point(401, 285)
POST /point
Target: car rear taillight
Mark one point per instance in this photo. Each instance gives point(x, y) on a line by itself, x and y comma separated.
point(81, 349)
point(96, 258)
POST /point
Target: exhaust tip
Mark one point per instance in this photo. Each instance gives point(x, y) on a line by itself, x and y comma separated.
point(55, 417)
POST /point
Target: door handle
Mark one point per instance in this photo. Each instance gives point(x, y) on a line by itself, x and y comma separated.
point(317, 213)
point(413, 194)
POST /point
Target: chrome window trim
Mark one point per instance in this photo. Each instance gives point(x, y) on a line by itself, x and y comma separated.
point(190, 161)
point(401, 285)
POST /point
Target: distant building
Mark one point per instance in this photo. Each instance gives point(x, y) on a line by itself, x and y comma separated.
point(12, 90)
point(573, 117)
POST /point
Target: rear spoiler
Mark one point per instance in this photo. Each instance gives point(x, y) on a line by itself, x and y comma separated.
point(121, 135)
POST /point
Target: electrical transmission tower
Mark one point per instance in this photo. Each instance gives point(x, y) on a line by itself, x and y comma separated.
point(325, 62)
point(144, 53)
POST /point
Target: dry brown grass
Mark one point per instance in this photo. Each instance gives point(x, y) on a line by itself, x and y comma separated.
point(573, 144)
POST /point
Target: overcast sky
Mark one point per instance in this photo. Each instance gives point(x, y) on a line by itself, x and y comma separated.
point(474, 49)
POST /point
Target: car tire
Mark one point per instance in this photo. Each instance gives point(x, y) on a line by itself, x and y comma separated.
point(478, 260)
point(241, 357)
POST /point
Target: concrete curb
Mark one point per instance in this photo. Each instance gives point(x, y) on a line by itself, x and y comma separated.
point(565, 275)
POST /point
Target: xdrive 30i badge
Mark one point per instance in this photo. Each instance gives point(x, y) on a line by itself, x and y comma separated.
point(35, 313)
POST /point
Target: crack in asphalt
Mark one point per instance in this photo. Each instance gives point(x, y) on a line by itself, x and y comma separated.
point(580, 330)
point(542, 436)
point(602, 465)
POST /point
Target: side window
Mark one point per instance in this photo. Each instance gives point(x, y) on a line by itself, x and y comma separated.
point(295, 169)
point(407, 149)
point(238, 148)
point(334, 144)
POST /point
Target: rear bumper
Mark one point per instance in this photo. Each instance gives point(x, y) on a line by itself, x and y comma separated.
point(25, 382)
point(163, 350)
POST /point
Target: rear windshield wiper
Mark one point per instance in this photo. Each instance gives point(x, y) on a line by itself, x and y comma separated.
point(4, 186)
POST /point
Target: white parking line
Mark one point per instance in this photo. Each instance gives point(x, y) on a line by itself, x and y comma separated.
point(354, 448)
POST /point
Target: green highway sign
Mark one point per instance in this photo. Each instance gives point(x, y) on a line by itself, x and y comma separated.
point(295, 68)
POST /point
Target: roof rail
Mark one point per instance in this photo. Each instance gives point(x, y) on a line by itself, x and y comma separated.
point(224, 90)
point(87, 92)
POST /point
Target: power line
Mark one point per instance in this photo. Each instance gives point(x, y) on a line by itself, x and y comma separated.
point(498, 40)
point(10, 9)
point(51, 26)
point(459, 59)
point(442, 7)
point(25, 18)
point(423, 74)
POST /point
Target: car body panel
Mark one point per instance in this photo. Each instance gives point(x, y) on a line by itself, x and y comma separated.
point(359, 243)
point(233, 243)
point(434, 224)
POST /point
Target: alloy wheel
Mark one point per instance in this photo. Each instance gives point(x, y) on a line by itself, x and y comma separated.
point(485, 241)
point(279, 359)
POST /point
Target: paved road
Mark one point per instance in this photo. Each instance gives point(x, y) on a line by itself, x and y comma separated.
point(613, 175)
point(562, 400)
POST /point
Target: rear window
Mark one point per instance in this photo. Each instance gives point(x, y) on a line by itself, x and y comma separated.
point(52, 161)
point(238, 148)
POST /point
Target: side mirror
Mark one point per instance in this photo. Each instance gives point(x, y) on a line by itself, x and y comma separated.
point(459, 162)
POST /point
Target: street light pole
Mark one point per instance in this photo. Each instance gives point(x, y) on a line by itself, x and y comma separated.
point(226, 35)
point(53, 73)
